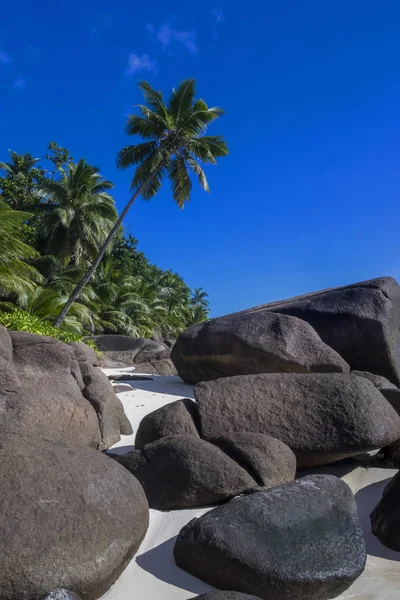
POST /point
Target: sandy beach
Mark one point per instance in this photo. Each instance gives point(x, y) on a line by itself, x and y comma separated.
point(153, 574)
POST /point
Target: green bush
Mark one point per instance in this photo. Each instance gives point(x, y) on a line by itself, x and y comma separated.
point(20, 320)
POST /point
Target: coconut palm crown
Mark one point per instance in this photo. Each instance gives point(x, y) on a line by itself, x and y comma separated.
point(175, 143)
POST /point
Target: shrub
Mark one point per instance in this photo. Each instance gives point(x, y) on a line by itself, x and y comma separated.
point(20, 320)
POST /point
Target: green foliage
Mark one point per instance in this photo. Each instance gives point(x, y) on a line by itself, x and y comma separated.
point(80, 213)
point(54, 220)
point(21, 181)
point(16, 275)
point(59, 156)
point(20, 320)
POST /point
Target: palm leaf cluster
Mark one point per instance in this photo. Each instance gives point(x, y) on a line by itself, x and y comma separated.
point(67, 260)
point(176, 146)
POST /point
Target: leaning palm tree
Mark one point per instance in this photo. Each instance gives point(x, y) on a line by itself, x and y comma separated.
point(79, 214)
point(175, 147)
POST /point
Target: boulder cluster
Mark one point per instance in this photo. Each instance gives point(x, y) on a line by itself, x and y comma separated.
point(287, 386)
point(147, 356)
point(70, 516)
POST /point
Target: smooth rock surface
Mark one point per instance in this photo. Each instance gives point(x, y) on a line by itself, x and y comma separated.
point(183, 472)
point(258, 342)
point(162, 367)
point(268, 460)
point(177, 418)
point(70, 517)
point(152, 356)
point(321, 417)
point(385, 518)
point(300, 541)
point(360, 321)
point(387, 389)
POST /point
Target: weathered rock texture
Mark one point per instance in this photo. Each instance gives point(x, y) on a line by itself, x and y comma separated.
point(360, 321)
point(70, 517)
point(259, 342)
point(300, 541)
point(61, 594)
point(268, 460)
point(388, 457)
point(388, 389)
point(53, 391)
point(183, 471)
point(385, 518)
point(148, 356)
point(321, 417)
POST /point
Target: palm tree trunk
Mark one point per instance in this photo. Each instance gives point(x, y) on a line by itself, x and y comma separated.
point(88, 275)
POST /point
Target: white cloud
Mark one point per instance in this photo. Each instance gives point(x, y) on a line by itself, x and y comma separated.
point(218, 15)
point(167, 35)
point(5, 58)
point(20, 83)
point(140, 63)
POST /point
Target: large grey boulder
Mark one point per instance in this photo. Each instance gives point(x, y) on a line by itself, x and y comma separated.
point(321, 417)
point(41, 391)
point(388, 389)
point(164, 367)
point(53, 390)
point(360, 321)
point(268, 460)
point(184, 472)
point(70, 518)
point(176, 418)
point(129, 351)
point(385, 518)
point(259, 342)
point(300, 541)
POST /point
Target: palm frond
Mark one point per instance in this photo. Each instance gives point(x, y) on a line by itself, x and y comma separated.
point(197, 169)
point(154, 99)
point(181, 101)
point(135, 154)
point(181, 184)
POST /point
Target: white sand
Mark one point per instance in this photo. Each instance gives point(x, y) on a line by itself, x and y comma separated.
point(152, 574)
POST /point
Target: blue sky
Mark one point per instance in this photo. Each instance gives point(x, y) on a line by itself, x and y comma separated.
point(310, 194)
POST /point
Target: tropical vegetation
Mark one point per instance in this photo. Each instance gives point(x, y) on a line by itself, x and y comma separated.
point(67, 267)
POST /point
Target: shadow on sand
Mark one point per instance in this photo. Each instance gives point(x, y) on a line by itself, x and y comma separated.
point(160, 562)
point(119, 450)
point(367, 498)
point(339, 469)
